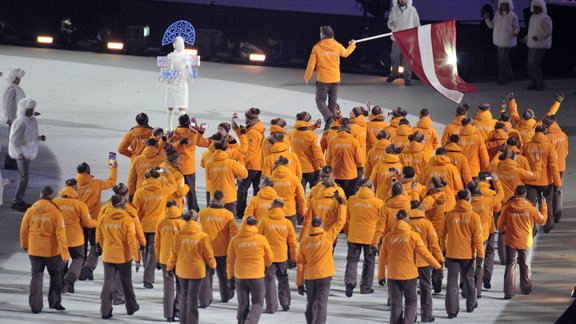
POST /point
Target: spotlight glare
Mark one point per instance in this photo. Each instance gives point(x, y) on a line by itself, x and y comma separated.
point(400, 69)
point(44, 39)
point(452, 59)
point(191, 51)
point(115, 46)
point(257, 57)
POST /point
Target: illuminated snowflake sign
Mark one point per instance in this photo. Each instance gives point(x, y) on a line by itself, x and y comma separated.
point(180, 28)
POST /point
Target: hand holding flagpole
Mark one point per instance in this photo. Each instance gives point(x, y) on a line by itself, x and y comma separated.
point(372, 37)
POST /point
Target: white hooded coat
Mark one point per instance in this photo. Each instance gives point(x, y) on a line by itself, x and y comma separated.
point(12, 95)
point(539, 26)
point(177, 91)
point(401, 19)
point(24, 132)
point(505, 26)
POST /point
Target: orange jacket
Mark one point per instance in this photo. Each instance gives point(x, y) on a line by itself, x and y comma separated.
point(386, 222)
point(527, 127)
point(180, 186)
point(235, 150)
point(424, 126)
point(249, 253)
point(382, 177)
point(207, 157)
point(452, 128)
point(267, 147)
point(374, 127)
point(325, 58)
point(512, 176)
point(187, 151)
point(440, 166)
point(220, 225)
point(76, 216)
point(434, 206)
point(191, 253)
point(393, 127)
point(166, 234)
point(400, 139)
point(280, 234)
point(495, 139)
point(281, 149)
point(133, 215)
point(460, 161)
point(134, 141)
point(484, 123)
point(316, 260)
point(364, 211)
point(517, 222)
point(222, 173)
point(474, 149)
point(539, 145)
point(325, 207)
point(375, 155)
point(414, 155)
point(150, 201)
point(90, 190)
point(359, 130)
point(520, 159)
point(485, 206)
point(253, 154)
point(345, 155)
point(419, 191)
point(307, 148)
point(327, 137)
point(42, 231)
point(317, 189)
point(149, 159)
point(290, 189)
point(463, 232)
point(260, 204)
point(559, 140)
point(399, 250)
point(115, 234)
point(424, 227)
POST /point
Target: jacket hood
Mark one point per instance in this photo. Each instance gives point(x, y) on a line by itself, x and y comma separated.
point(416, 213)
point(453, 147)
point(152, 184)
point(316, 231)
point(150, 152)
point(401, 227)
point(69, 192)
point(359, 120)
point(440, 160)
point(395, 3)
point(404, 130)
point(279, 147)
point(371, 117)
point(476, 199)
point(267, 193)
point(219, 155)
point(391, 158)
point(397, 201)
point(458, 120)
point(281, 171)
point(25, 104)
point(462, 206)
point(424, 122)
point(248, 230)
point(508, 164)
point(539, 138)
point(258, 126)
point(519, 203)
point(498, 134)
point(509, 2)
point(413, 147)
point(394, 122)
point(514, 149)
point(381, 144)
point(468, 130)
point(142, 132)
point(483, 115)
point(182, 131)
point(14, 73)
point(173, 212)
point(277, 129)
point(365, 193)
point(540, 3)
point(301, 123)
point(554, 129)
point(328, 44)
point(277, 213)
point(117, 213)
point(84, 178)
point(192, 227)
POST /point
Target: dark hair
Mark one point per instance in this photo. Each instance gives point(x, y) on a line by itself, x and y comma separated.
point(499, 125)
point(397, 189)
point(82, 167)
point(251, 220)
point(184, 120)
point(316, 222)
point(408, 171)
point(383, 134)
point(142, 119)
point(117, 200)
point(216, 137)
point(402, 214)
point(454, 138)
point(152, 142)
point(277, 203)
point(281, 161)
point(520, 190)
point(414, 204)
point(424, 112)
point(463, 194)
point(46, 192)
point(466, 121)
point(505, 116)
point(540, 129)
point(267, 181)
point(218, 195)
point(474, 188)
point(71, 182)
point(157, 131)
point(483, 175)
point(403, 121)
point(512, 141)
point(152, 173)
point(327, 31)
point(441, 151)
point(171, 203)
point(120, 189)
point(221, 145)
point(377, 110)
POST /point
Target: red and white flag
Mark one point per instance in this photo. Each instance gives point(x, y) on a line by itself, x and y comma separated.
point(431, 52)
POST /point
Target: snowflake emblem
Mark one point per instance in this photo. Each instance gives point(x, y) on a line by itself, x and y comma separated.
point(180, 28)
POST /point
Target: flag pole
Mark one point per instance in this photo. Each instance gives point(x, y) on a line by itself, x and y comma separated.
point(372, 37)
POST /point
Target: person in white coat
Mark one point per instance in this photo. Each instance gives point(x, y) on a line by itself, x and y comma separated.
point(23, 146)
point(539, 39)
point(177, 89)
point(505, 29)
point(12, 94)
point(402, 16)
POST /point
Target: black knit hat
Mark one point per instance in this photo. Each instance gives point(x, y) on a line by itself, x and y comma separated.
point(225, 126)
point(463, 194)
point(416, 137)
point(171, 154)
point(383, 134)
point(377, 110)
point(82, 167)
point(184, 120)
point(267, 182)
point(279, 122)
point(142, 119)
point(120, 189)
point(252, 113)
point(484, 106)
point(304, 116)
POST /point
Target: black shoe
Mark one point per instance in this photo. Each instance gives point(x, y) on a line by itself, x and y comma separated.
point(20, 205)
point(203, 306)
point(328, 122)
point(349, 290)
point(508, 297)
point(135, 310)
point(286, 308)
point(437, 288)
point(86, 273)
point(470, 310)
point(36, 311)
point(452, 316)
point(429, 320)
point(367, 292)
point(487, 285)
point(148, 285)
point(118, 302)
point(109, 316)
point(176, 315)
point(478, 296)
point(532, 87)
point(391, 79)
point(58, 307)
point(170, 319)
point(68, 287)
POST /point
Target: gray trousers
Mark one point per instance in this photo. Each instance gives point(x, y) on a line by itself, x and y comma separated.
point(149, 258)
point(456, 268)
point(231, 207)
point(398, 291)
point(253, 180)
point(206, 290)
point(397, 59)
point(505, 73)
point(557, 202)
point(54, 266)
point(534, 65)
point(191, 199)
point(171, 304)
point(534, 195)
point(77, 256)
point(489, 255)
point(22, 185)
point(278, 270)
point(317, 293)
point(92, 259)
point(352, 259)
point(190, 291)
point(326, 91)
point(310, 178)
point(125, 272)
point(250, 291)
point(425, 283)
point(516, 257)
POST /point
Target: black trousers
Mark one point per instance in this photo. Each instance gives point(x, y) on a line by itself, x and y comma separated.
point(349, 187)
point(310, 178)
point(191, 199)
point(54, 265)
point(252, 179)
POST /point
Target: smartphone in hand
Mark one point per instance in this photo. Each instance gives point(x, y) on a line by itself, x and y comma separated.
point(111, 158)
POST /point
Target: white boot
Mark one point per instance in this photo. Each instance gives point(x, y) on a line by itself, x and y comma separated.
point(170, 119)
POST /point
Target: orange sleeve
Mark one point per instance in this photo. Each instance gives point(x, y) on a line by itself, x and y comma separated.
point(61, 236)
point(173, 254)
point(300, 269)
point(201, 141)
point(107, 184)
point(123, 147)
point(131, 237)
point(319, 160)
point(423, 251)
point(300, 198)
point(85, 218)
point(230, 259)
point(382, 258)
point(24, 229)
point(514, 111)
point(345, 52)
point(311, 64)
point(208, 253)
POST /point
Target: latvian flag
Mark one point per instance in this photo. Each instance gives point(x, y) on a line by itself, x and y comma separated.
point(431, 52)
